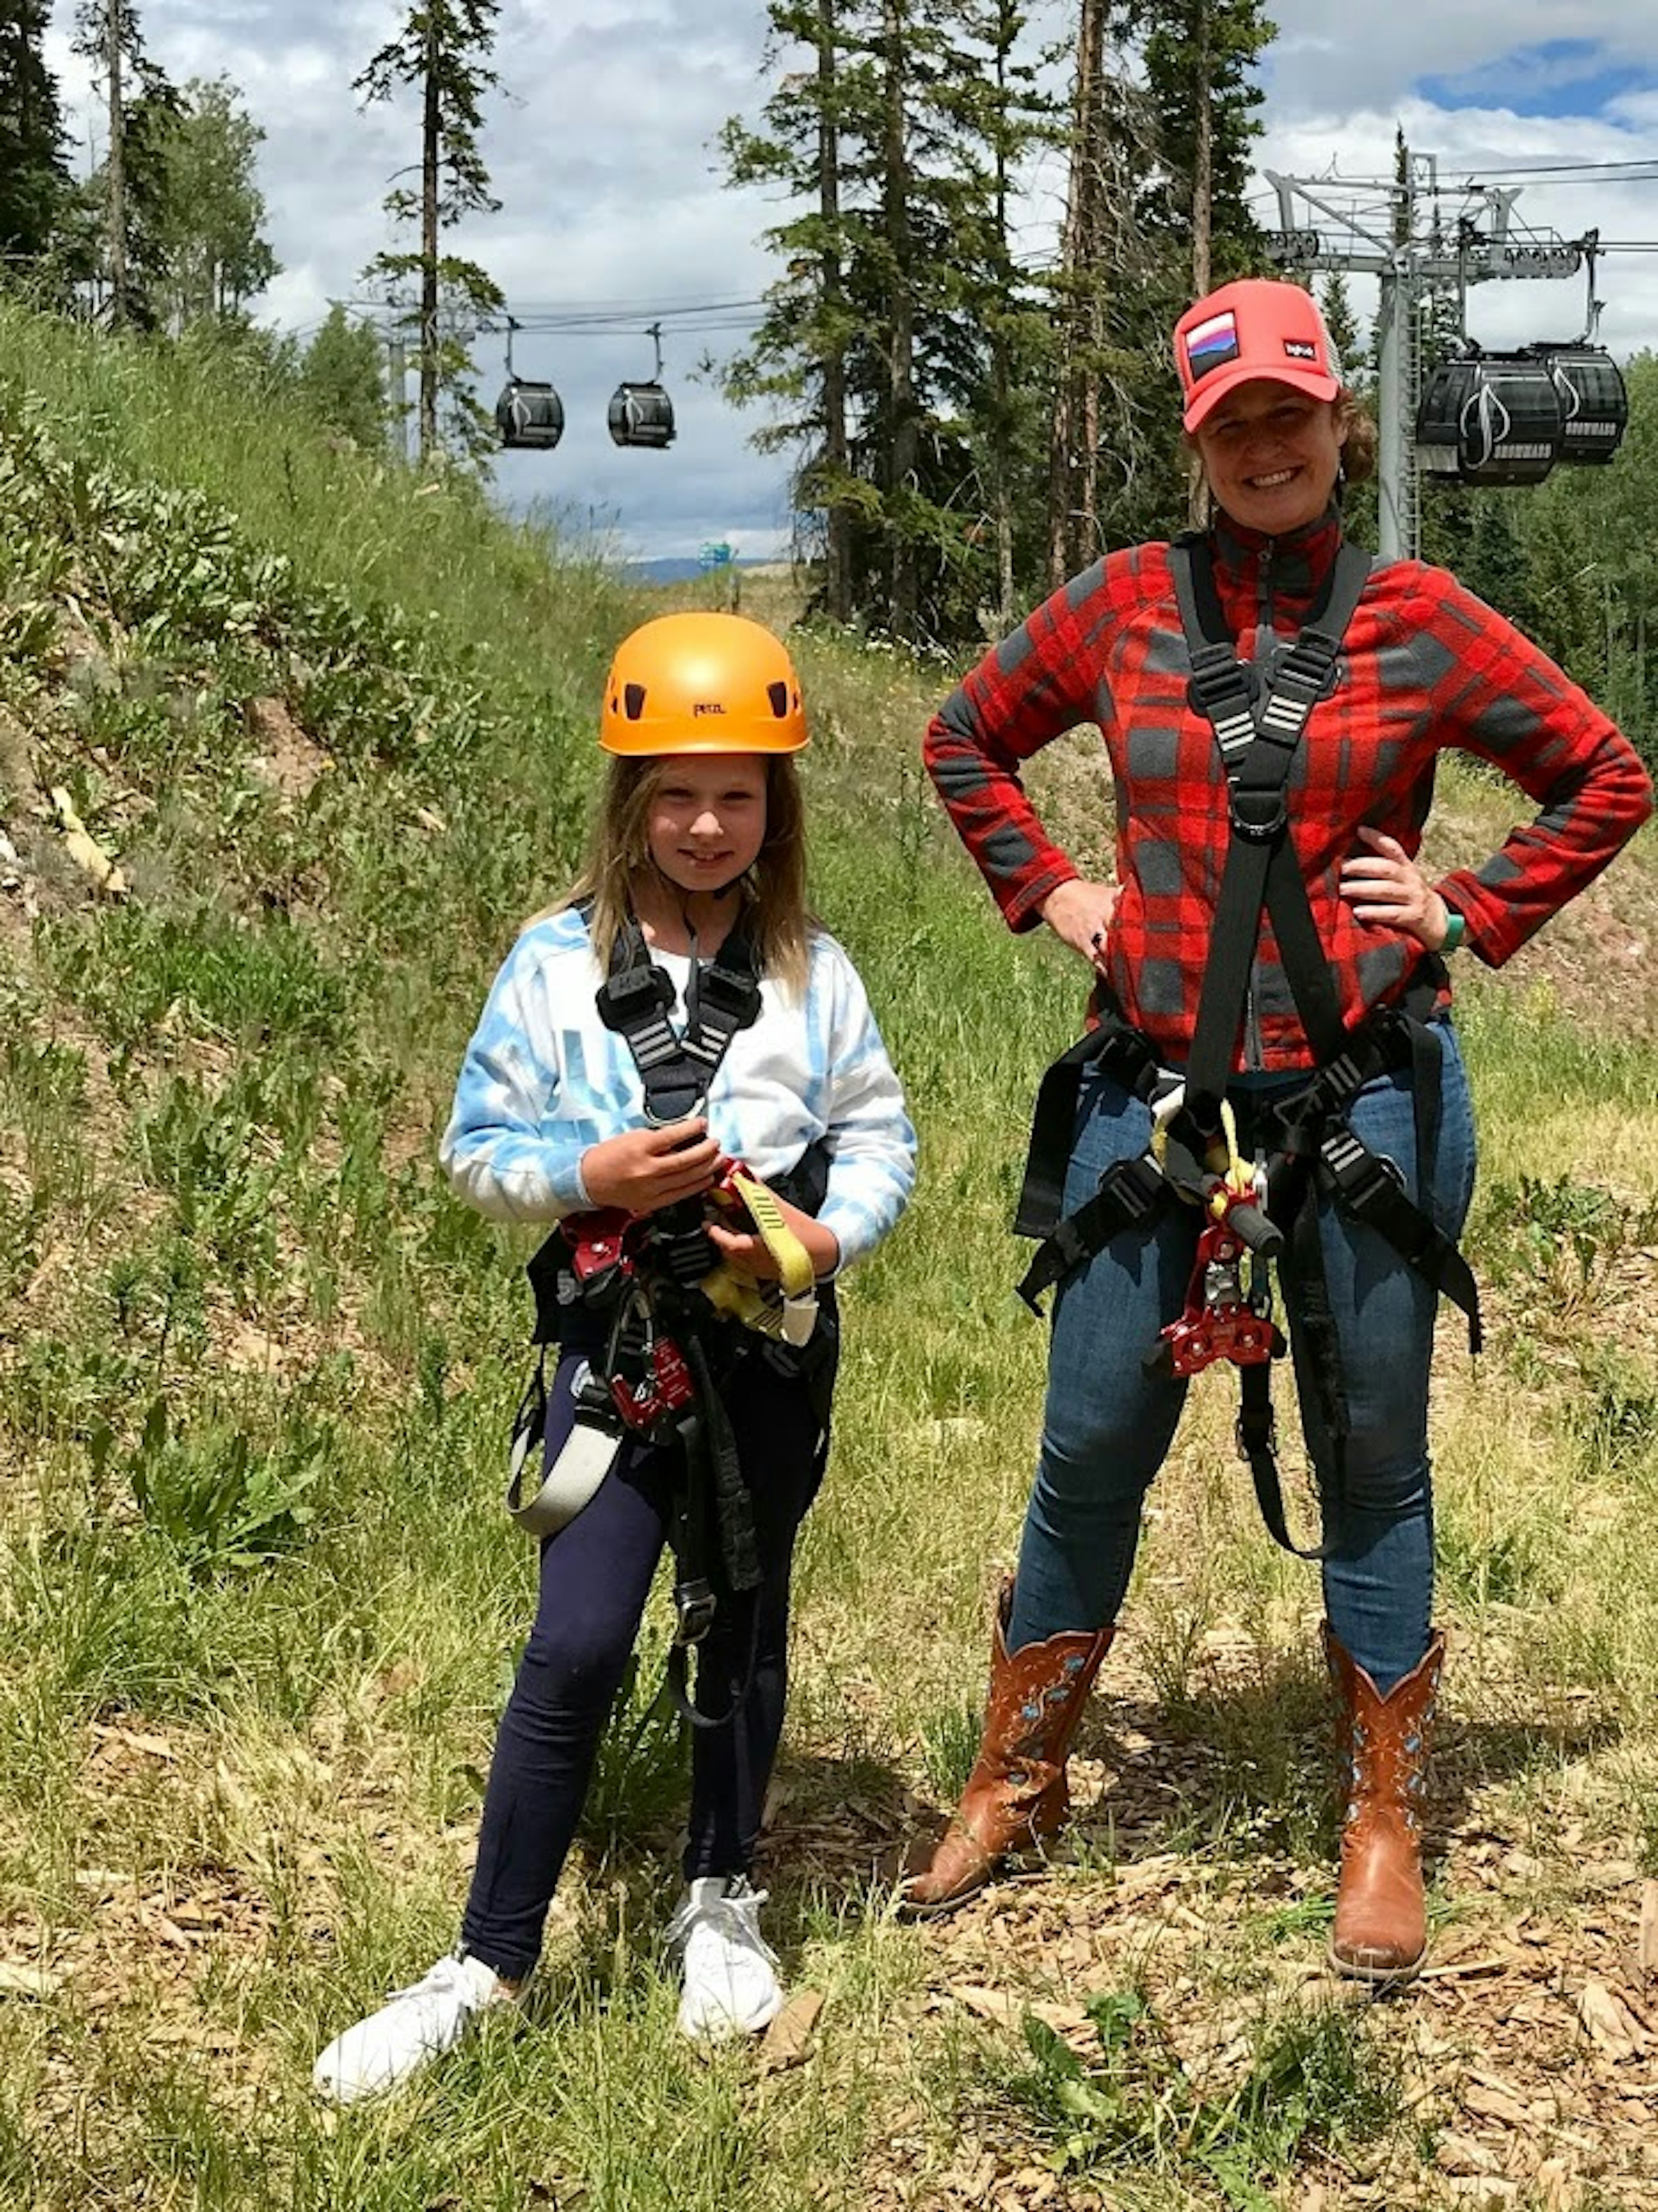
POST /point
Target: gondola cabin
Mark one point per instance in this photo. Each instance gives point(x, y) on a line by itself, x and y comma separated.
point(1592, 393)
point(641, 414)
point(1490, 419)
point(530, 416)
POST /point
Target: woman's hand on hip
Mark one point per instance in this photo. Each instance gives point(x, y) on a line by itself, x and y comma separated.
point(1383, 884)
point(643, 1169)
point(1082, 913)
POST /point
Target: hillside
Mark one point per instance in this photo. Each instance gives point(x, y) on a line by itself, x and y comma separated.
point(333, 724)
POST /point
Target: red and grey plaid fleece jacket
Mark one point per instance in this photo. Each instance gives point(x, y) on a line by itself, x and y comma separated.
point(1424, 666)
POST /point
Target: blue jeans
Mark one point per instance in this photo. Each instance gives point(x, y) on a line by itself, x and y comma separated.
point(1106, 1428)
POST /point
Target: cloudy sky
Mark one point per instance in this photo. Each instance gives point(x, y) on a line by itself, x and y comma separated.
point(600, 146)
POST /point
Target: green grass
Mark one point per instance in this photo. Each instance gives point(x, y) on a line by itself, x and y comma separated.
point(260, 1606)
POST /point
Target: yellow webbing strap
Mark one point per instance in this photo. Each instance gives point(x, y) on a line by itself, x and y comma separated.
point(1237, 1177)
point(757, 1305)
point(795, 1268)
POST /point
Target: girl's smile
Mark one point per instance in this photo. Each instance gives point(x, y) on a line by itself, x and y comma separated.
point(708, 819)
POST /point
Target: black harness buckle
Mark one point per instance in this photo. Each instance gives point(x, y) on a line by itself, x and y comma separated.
point(1361, 1176)
point(693, 1608)
point(633, 995)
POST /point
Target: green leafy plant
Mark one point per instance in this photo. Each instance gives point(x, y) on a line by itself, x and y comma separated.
point(1556, 1239)
point(222, 1504)
point(1315, 2081)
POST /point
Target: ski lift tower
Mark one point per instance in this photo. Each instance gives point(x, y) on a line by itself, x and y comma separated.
point(1368, 227)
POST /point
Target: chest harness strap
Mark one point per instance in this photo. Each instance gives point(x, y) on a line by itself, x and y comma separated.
point(1309, 1147)
point(722, 997)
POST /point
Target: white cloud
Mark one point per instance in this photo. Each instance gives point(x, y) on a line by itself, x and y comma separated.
point(600, 145)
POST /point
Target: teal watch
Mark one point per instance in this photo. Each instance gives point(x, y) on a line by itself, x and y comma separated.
point(1456, 928)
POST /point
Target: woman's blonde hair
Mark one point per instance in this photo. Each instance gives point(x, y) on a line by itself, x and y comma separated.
point(773, 892)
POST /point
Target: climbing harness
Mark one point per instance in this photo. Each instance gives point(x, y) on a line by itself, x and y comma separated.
point(1302, 1142)
point(663, 1324)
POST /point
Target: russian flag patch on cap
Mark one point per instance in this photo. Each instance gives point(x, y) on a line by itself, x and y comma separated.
point(1209, 344)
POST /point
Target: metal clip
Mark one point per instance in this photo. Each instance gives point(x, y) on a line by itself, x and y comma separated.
point(694, 1607)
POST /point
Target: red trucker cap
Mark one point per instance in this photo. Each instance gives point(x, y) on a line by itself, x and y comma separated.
point(1256, 327)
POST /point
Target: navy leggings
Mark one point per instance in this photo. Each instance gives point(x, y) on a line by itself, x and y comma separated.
point(595, 1577)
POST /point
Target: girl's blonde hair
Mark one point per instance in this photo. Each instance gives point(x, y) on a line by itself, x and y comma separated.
point(773, 890)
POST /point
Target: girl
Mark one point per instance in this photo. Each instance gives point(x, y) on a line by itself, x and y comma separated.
point(679, 1012)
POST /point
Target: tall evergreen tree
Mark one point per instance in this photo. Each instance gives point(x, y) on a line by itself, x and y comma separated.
point(1005, 112)
point(798, 364)
point(35, 177)
point(139, 103)
point(1120, 280)
point(877, 352)
point(443, 52)
point(1175, 119)
point(1200, 59)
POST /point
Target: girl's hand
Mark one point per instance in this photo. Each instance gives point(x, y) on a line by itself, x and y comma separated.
point(746, 1253)
point(1081, 913)
point(643, 1169)
point(1385, 885)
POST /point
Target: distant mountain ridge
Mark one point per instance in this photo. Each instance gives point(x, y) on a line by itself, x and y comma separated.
point(676, 568)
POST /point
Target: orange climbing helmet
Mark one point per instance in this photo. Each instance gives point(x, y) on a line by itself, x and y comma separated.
point(702, 684)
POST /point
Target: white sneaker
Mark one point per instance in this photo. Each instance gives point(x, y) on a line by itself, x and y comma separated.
point(730, 1987)
point(415, 2025)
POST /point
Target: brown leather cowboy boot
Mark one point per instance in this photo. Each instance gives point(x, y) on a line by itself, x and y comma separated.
point(1381, 1933)
point(1016, 1797)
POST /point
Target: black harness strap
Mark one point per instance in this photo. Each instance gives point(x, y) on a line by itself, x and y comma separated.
point(1258, 745)
point(723, 997)
point(711, 1531)
point(1128, 1194)
point(711, 1525)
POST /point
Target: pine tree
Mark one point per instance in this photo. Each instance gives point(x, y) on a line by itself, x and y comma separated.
point(1112, 455)
point(441, 51)
point(798, 362)
point(342, 378)
point(1168, 127)
point(1200, 58)
point(1005, 110)
point(879, 351)
point(35, 177)
point(138, 103)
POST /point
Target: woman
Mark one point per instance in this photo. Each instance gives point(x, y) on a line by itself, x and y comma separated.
point(1272, 704)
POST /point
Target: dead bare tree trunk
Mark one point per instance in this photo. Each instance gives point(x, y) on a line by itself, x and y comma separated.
point(1072, 454)
point(1001, 379)
point(431, 132)
point(1203, 169)
point(837, 552)
point(120, 289)
point(903, 436)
